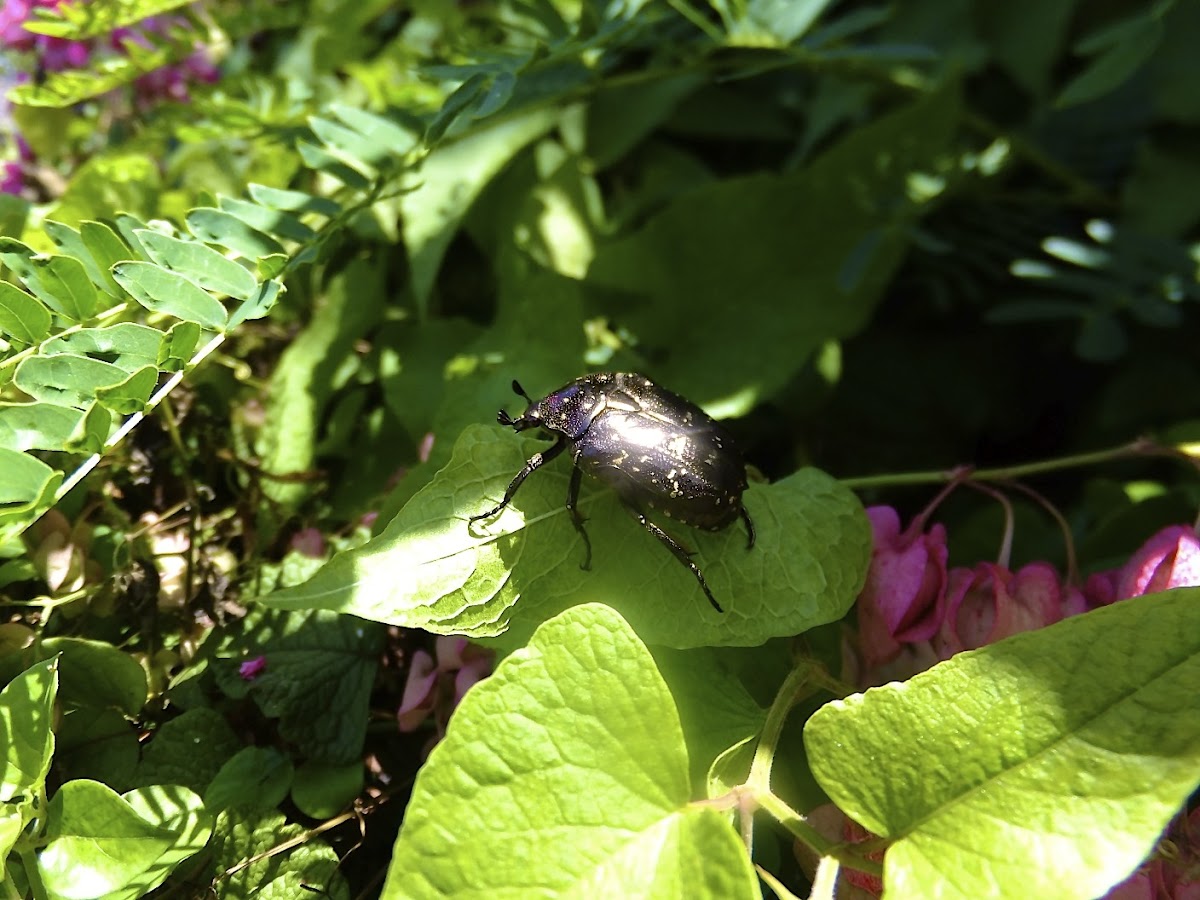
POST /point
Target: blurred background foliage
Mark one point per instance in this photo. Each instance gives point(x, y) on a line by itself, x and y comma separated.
point(875, 237)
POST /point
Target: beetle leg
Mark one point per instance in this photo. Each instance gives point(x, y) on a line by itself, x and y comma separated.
point(534, 463)
point(680, 554)
point(576, 518)
point(749, 528)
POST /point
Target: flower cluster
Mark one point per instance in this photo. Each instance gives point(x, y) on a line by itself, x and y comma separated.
point(437, 685)
point(915, 611)
point(47, 54)
point(53, 54)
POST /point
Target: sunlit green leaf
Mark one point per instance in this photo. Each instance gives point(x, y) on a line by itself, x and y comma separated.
point(160, 290)
point(1046, 765)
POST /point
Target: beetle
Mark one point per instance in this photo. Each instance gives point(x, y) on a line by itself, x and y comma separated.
point(659, 452)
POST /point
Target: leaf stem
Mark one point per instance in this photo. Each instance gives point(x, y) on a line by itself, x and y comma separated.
point(1142, 447)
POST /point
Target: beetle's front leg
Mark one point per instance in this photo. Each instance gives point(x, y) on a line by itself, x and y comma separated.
point(576, 518)
point(534, 463)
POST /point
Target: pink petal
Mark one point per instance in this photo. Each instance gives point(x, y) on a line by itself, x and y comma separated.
point(418, 690)
point(252, 668)
point(1169, 559)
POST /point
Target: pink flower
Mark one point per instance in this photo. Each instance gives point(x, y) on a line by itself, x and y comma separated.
point(53, 53)
point(1100, 589)
point(56, 54)
point(988, 603)
point(13, 179)
point(1173, 875)
point(13, 14)
point(309, 542)
point(252, 668)
point(417, 701)
point(437, 687)
point(1169, 559)
point(903, 600)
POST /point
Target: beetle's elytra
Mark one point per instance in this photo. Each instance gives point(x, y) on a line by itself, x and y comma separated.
point(659, 452)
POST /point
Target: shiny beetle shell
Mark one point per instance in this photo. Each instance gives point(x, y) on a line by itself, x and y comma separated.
point(661, 453)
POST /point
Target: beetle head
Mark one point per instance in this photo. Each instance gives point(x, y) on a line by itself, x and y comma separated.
point(524, 421)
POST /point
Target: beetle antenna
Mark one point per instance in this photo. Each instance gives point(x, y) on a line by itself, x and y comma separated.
point(520, 391)
point(504, 418)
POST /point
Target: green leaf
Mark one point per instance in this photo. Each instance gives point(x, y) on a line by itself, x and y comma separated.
point(160, 290)
point(462, 97)
point(12, 823)
point(1026, 38)
point(452, 176)
point(621, 116)
point(246, 847)
point(71, 243)
point(132, 394)
point(58, 281)
point(129, 226)
point(178, 346)
point(785, 20)
point(100, 744)
point(1119, 50)
point(97, 842)
point(88, 20)
point(484, 367)
point(317, 158)
point(26, 739)
point(129, 181)
point(319, 660)
point(257, 306)
point(715, 709)
point(1046, 765)
point(26, 484)
point(322, 791)
point(215, 226)
point(179, 811)
point(14, 211)
point(574, 745)
point(415, 384)
point(430, 569)
point(22, 318)
point(199, 263)
point(97, 674)
point(106, 250)
point(366, 151)
point(46, 426)
point(294, 201)
point(189, 750)
point(127, 345)
point(66, 379)
point(269, 221)
point(303, 380)
point(398, 139)
point(255, 778)
point(734, 285)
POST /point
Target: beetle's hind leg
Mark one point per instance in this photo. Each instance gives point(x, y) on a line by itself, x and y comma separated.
point(749, 528)
point(534, 463)
point(576, 519)
point(680, 554)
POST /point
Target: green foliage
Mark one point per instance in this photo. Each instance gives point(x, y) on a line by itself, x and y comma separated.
point(594, 779)
point(1052, 731)
point(88, 841)
point(428, 570)
point(871, 237)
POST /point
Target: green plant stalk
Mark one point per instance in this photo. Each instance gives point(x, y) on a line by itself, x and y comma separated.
point(132, 422)
point(798, 685)
point(1138, 448)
